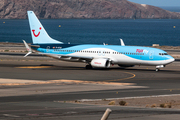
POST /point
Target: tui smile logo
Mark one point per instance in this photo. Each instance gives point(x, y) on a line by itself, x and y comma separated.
point(38, 32)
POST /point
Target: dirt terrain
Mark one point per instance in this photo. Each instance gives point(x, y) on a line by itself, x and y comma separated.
point(83, 9)
point(161, 101)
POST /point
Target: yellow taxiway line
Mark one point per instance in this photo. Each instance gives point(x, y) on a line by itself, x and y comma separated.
point(35, 67)
point(133, 75)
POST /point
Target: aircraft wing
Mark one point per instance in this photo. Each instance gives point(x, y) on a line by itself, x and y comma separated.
point(67, 56)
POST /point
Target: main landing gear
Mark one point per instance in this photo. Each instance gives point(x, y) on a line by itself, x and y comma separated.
point(88, 66)
point(157, 69)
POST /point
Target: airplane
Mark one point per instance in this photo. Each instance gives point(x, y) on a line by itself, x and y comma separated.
point(95, 56)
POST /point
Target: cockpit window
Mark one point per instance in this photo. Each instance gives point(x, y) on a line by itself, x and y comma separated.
point(163, 54)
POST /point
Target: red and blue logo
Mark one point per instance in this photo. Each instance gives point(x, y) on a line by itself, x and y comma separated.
point(37, 34)
point(139, 50)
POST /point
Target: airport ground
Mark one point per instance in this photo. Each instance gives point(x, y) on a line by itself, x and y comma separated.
point(38, 87)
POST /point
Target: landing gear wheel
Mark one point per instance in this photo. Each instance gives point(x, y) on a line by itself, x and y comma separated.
point(157, 69)
point(88, 67)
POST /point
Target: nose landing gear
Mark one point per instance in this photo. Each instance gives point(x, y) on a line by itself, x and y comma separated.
point(158, 67)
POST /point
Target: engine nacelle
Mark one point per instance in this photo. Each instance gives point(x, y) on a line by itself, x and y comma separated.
point(100, 63)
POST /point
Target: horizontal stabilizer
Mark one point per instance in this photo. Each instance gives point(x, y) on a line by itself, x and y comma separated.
point(36, 46)
point(27, 54)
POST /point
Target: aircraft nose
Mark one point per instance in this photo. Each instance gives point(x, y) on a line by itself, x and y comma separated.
point(171, 59)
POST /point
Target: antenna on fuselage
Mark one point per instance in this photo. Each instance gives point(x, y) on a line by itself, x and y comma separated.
point(122, 43)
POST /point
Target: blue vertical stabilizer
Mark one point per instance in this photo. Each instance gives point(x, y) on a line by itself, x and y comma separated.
point(38, 33)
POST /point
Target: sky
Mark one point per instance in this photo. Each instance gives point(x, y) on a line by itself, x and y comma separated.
point(173, 3)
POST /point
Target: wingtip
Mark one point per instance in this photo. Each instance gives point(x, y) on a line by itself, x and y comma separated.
point(122, 42)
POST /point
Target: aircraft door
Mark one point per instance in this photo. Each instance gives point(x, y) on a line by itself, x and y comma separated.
point(47, 49)
point(99, 53)
point(151, 53)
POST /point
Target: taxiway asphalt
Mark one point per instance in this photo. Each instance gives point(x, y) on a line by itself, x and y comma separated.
point(41, 101)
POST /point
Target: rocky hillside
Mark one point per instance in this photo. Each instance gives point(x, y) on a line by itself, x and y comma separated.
point(108, 9)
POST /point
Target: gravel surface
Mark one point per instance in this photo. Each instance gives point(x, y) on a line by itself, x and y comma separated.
point(161, 101)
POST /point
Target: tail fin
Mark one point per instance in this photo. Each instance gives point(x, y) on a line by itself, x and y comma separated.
point(38, 33)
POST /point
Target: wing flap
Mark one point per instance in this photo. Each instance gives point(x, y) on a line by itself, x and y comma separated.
point(68, 56)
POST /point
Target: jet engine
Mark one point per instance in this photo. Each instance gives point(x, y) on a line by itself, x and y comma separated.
point(100, 63)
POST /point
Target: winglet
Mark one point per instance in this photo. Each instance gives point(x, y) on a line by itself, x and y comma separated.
point(122, 43)
point(28, 48)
